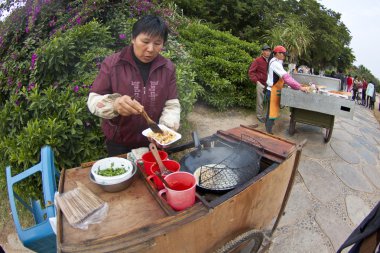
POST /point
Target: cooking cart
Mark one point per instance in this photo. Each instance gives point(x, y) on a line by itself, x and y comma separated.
point(139, 221)
point(314, 108)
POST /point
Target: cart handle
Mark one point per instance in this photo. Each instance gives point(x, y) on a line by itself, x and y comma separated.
point(301, 144)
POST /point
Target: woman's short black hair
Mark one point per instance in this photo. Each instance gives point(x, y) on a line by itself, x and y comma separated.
point(151, 25)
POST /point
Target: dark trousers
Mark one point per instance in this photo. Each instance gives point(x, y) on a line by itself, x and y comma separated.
point(115, 149)
point(354, 95)
point(368, 101)
point(269, 123)
point(371, 104)
point(363, 97)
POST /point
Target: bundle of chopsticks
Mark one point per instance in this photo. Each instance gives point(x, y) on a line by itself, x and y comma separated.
point(79, 204)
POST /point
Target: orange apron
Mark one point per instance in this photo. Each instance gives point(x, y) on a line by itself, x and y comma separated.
point(275, 98)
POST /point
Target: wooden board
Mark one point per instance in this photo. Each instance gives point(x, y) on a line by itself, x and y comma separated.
point(129, 209)
point(275, 148)
point(133, 219)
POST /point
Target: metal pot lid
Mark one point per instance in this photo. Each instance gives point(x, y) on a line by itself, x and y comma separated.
point(197, 158)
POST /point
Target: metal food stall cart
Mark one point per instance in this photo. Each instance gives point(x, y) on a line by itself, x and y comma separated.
point(317, 109)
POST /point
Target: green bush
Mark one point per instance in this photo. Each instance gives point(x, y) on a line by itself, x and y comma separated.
point(57, 60)
point(188, 88)
point(87, 67)
point(56, 117)
point(221, 63)
point(120, 26)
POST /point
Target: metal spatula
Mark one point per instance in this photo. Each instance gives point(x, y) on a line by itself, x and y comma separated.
point(152, 125)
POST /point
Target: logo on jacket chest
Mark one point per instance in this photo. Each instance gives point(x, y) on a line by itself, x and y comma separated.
point(136, 89)
point(153, 91)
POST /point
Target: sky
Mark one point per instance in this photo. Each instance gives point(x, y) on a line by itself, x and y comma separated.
point(361, 17)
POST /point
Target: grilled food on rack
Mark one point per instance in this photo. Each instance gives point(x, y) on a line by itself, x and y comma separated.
point(310, 87)
point(340, 94)
point(344, 93)
point(163, 138)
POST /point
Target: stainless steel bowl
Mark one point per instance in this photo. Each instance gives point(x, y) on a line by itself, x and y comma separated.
point(116, 187)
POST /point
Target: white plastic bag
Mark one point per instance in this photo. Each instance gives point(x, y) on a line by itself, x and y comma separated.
point(81, 207)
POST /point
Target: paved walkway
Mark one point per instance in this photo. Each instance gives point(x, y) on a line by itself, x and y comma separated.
point(336, 186)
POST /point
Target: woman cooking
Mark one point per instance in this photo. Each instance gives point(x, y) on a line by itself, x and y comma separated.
point(134, 79)
point(277, 76)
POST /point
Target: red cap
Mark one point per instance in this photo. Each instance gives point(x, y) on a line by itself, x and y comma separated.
point(279, 49)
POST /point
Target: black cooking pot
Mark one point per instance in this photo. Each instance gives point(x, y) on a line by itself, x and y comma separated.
point(224, 167)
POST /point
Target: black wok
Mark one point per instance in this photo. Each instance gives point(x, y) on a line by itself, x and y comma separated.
point(240, 159)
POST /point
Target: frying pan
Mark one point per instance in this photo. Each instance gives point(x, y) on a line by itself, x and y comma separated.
point(244, 158)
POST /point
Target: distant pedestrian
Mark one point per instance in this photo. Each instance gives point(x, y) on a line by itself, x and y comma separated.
point(355, 87)
point(373, 98)
point(370, 91)
point(345, 83)
point(258, 74)
point(340, 76)
point(350, 82)
point(364, 91)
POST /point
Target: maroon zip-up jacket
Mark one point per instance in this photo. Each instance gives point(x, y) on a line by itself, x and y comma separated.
point(258, 71)
point(120, 74)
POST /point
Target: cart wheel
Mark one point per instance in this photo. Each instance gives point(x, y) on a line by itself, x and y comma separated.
point(292, 126)
point(328, 134)
point(249, 242)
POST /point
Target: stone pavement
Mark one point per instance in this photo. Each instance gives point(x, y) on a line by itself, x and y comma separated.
point(13, 245)
point(336, 186)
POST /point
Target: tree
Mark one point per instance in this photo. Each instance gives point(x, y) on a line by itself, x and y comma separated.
point(331, 36)
point(252, 20)
point(294, 35)
point(346, 59)
point(363, 72)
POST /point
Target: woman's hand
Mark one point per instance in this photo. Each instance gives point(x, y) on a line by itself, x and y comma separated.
point(304, 89)
point(127, 106)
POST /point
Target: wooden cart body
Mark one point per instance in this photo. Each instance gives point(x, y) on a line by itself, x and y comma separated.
point(139, 221)
point(316, 109)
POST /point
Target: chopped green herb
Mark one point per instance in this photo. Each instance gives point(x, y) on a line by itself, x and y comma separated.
point(111, 172)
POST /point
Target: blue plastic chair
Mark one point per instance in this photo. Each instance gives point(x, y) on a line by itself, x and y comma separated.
point(40, 237)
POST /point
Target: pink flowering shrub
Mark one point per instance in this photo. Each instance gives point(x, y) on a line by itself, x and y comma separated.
point(48, 62)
